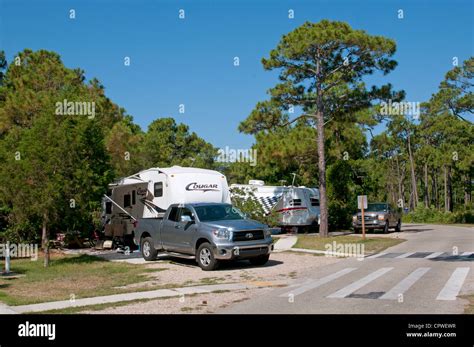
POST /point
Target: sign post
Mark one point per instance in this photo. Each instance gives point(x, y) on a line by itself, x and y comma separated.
point(7, 259)
point(362, 205)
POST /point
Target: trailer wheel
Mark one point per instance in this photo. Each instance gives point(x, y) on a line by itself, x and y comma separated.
point(205, 257)
point(148, 250)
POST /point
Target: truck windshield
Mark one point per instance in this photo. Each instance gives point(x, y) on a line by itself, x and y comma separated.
point(376, 207)
point(218, 212)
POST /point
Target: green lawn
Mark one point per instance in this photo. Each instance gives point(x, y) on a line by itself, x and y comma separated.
point(371, 244)
point(81, 276)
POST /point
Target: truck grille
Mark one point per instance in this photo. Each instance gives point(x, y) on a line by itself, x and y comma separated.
point(359, 218)
point(245, 235)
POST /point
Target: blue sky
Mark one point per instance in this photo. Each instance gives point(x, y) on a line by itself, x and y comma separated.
point(190, 61)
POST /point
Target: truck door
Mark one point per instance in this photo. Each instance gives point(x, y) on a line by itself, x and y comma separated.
point(176, 234)
point(168, 229)
point(185, 230)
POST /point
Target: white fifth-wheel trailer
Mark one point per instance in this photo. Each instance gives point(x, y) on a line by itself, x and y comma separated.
point(148, 194)
point(297, 208)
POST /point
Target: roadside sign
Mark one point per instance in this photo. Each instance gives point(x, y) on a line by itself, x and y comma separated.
point(362, 201)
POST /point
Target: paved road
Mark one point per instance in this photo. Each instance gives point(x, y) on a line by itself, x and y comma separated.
point(425, 274)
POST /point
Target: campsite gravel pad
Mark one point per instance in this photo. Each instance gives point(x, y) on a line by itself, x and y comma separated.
point(118, 256)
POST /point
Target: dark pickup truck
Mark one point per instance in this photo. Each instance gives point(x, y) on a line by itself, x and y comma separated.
point(208, 232)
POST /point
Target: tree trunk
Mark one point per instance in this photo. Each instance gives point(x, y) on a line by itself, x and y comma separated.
point(467, 190)
point(448, 194)
point(450, 190)
point(323, 205)
point(45, 240)
point(413, 175)
point(426, 196)
point(401, 193)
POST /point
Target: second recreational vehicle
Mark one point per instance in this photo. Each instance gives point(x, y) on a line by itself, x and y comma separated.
point(148, 193)
point(296, 207)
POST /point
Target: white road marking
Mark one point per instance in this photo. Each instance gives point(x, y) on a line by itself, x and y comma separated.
point(467, 254)
point(405, 255)
point(451, 289)
point(351, 288)
point(405, 284)
point(376, 255)
point(433, 255)
point(319, 282)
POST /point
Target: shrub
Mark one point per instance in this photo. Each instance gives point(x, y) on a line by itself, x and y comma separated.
point(431, 215)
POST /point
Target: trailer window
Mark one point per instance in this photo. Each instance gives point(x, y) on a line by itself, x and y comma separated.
point(173, 216)
point(126, 200)
point(158, 189)
point(295, 202)
point(134, 197)
point(314, 202)
point(108, 207)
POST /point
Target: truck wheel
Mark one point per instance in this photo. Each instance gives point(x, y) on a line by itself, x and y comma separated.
point(260, 260)
point(385, 229)
point(205, 257)
point(398, 228)
point(148, 250)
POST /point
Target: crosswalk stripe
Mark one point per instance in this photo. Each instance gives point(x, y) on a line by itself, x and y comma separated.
point(451, 289)
point(319, 282)
point(405, 255)
point(376, 255)
point(434, 255)
point(467, 253)
point(351, 288)
point(405, 284)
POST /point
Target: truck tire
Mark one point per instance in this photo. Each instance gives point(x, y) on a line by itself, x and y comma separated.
point(386, 228)
point(260, 260)
point(398, 228)
point(148, 250)
point(205, 257)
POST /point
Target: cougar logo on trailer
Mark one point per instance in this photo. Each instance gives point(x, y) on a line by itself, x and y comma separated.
point(204, 187)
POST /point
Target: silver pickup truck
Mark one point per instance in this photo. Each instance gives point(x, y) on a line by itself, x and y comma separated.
point(378, 216)
point(208, 232)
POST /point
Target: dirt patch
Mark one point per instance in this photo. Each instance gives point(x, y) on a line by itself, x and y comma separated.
point(190, 304)
point(279, 271)
point(280, 266)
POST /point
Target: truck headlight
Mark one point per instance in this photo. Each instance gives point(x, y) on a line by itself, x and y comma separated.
point(222, 234)
point(381, 217)
point(268, 232)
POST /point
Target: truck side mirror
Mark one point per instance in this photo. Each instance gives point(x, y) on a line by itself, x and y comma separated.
point(186, 219)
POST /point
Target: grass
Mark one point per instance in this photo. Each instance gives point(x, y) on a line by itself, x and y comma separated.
point(78, 275)
point(371, 245)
